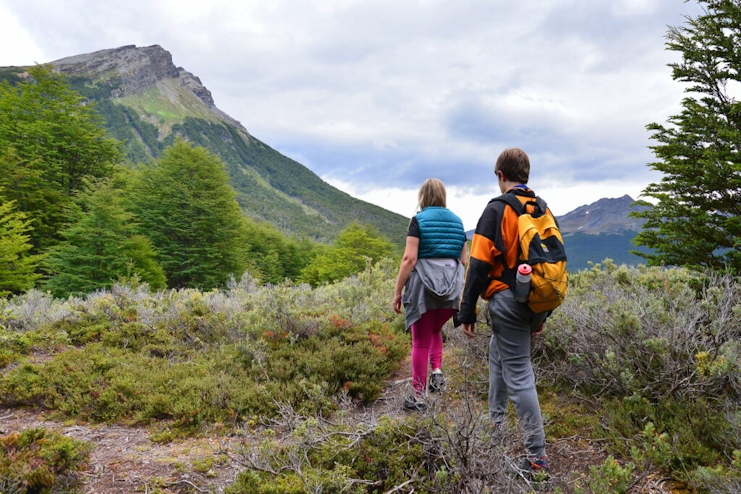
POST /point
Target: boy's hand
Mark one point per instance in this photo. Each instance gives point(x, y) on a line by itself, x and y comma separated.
point(540, 329)
point(469, 330)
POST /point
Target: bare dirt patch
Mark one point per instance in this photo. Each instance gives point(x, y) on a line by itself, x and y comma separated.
point(125, 460)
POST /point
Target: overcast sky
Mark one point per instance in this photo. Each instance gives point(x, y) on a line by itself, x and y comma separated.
point(375, 96)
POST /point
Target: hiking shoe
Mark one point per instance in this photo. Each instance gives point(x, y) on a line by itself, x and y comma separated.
point(414, 404)
point(536, 469)
point(437, 382)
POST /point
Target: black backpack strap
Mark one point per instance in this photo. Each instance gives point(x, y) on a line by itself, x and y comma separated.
point(513, 201)
point(519, 207)
point(540, 207)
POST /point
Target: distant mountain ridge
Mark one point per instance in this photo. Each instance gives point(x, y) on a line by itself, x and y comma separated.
point(147, 103)
point(606, 216)
point(602, 230)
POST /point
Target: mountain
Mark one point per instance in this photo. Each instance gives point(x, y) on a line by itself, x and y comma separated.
point(606, 216)
point(601, 230)
point(147, 103)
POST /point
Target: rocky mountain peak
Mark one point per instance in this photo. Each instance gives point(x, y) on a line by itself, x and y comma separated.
point(602, 217)
point(131, 70)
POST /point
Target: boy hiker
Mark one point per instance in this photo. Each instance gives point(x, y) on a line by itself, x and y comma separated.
point(494, 259)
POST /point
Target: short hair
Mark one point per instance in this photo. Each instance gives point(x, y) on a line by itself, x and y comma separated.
point(431, 193)
point(515, 165)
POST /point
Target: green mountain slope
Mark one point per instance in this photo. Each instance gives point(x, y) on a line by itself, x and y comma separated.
point(147, 103)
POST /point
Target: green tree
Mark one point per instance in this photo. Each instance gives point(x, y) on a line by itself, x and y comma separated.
point(50, 141)
point(101, 246)
point(188, 210)
point(697, 219)
point(355, 247)
point(272, 256)
point(17, 266)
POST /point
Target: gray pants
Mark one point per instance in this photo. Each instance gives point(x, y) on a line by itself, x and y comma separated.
point(511, 374)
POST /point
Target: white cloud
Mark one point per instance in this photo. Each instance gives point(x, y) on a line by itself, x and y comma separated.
point(382, 94)
point(17, 46)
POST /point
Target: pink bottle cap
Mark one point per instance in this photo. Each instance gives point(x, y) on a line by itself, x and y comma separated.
point(524, 269)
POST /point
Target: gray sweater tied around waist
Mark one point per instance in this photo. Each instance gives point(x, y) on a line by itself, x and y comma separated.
point(433, 284)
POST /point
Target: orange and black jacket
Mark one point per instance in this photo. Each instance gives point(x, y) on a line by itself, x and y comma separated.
point(495, 244)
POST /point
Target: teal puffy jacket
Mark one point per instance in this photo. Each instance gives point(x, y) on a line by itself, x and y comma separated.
point(441, 233)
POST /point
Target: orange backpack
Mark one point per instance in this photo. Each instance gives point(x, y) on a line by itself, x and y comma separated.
point(541, 246)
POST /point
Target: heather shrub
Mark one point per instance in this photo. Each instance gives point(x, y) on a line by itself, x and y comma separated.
point(37, 460)
point(653, 350)
point(319, 457)
point(453, 450)
point(657, 350)
point(609, 478)
point(191, 358)
point(30, 311)
point(720, 479)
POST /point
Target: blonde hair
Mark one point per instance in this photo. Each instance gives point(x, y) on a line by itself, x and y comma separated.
point(431, 193)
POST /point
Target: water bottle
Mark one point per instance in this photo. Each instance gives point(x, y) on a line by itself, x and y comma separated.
point(522, 282)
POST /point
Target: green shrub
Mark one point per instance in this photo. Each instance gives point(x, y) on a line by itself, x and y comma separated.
point(719, 479)
point(657, 350)
point(676, 422)
point(610, 477)
point(353, 359)
point(671, 435)
point(36, 460)
point(192, 358)
point(338, 459)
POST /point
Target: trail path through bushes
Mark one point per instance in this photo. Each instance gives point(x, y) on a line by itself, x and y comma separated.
point(125, 460)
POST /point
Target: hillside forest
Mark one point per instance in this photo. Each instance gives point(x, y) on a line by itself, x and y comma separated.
point(140, 296)
point(76, 217)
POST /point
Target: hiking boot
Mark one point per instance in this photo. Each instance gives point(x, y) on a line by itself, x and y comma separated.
point(437, 382)
point(415, 404)
point(536, 469)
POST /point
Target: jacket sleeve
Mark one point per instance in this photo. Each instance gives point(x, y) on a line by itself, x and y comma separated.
point(486, 247)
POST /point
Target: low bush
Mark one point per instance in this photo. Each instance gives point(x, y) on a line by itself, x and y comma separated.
point(193, 358)
point(656, 351)
point(646, 360)
point(37, 460)
point(451, 452)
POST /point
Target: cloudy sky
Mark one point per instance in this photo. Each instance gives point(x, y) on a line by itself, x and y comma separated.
point(375, 96)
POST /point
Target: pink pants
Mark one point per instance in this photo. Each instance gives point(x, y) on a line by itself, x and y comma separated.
point(427, 345)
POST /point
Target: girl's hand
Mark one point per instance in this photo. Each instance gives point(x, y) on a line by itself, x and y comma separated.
point(397, 303)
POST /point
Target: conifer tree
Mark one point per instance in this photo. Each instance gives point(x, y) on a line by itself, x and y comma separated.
point(189, 211)
point(50, 141)
point(17, 266)
point(101, 246)
point(697, 219)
